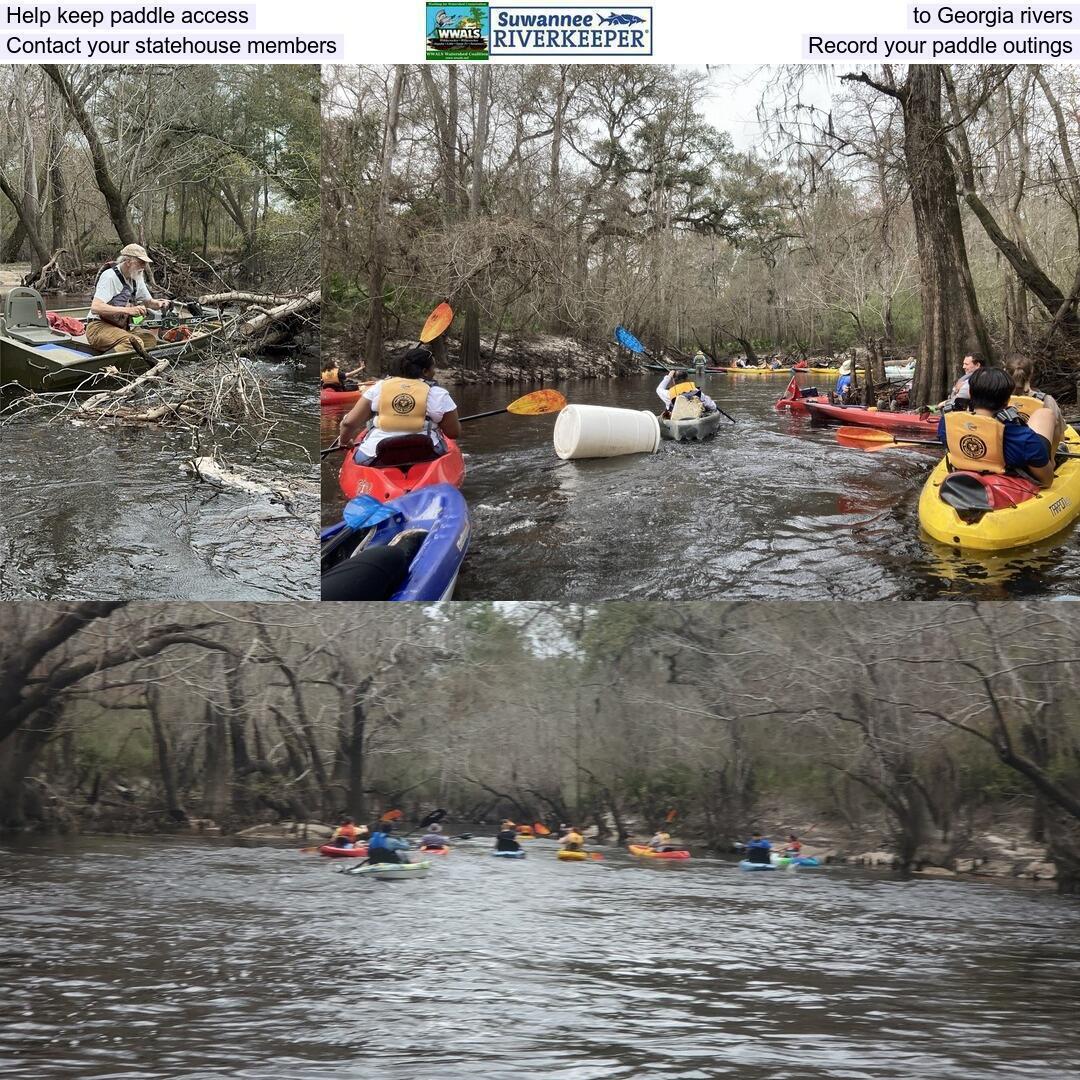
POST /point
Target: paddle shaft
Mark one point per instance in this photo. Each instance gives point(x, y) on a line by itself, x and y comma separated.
point(480, 415)
point(936, 442)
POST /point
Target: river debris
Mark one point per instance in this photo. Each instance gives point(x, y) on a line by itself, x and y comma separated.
point(212, 469)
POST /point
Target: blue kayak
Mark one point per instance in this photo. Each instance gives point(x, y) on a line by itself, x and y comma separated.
point(804, 860)
point(509, 854)
point(746, 864)
point(359, 562)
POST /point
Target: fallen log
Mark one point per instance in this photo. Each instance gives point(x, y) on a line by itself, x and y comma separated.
point(300, 306)
point(113, 396)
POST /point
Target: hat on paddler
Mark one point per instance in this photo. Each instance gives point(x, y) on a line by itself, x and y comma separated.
point(136, 251)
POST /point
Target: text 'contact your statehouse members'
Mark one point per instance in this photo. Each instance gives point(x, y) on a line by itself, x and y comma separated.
point(112, 32)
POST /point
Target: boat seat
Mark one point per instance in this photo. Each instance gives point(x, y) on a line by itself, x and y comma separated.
point(403, 450)
point(25, 319)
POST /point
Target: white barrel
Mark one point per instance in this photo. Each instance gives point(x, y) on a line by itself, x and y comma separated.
point(596, 431)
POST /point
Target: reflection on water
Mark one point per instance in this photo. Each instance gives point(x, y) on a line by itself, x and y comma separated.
point(772, 508)
point(177, 959)
point(94, 513)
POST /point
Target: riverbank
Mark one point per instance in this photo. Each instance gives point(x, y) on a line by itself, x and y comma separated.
point(538, 359)
point(997, 848)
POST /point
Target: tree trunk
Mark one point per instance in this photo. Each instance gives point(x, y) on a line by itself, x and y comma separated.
point(376, 362)
point(951, 322)
point(163, 754)
point(115, 201)
point(470, 334)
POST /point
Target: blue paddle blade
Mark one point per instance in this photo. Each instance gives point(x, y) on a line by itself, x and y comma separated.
point(627, 340)
point(366, 510)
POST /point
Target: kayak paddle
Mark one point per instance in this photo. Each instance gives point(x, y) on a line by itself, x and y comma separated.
point(875, 439)
point(537, 403)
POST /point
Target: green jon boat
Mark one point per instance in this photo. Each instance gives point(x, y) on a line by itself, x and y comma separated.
point(36, 357)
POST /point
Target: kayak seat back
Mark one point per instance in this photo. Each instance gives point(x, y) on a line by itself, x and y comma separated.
point(402, 451)
point(972, 495)
point(25, 319)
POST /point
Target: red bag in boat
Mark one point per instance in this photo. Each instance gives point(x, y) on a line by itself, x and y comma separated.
point(65, 324)
point(177, 333)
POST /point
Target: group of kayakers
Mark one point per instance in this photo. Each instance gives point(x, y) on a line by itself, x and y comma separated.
point(984, 432)
point(510, 834)
point(758, 849)
point(382, 845)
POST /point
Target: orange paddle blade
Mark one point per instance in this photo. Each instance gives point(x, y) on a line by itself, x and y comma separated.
point(437, 322)
point(595, 856)
point(391, 815)
point(538, 402)
point(865, 434)
point(541, 829)
point(671, 816)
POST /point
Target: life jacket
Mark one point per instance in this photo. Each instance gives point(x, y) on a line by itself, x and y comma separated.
point(349, 832)
point(681, 388)
point(402, 406)
point(573, 841)
point(378, 842)
point(1026, 404)
point(331, 378)
point(124, 298)
point(975, 443)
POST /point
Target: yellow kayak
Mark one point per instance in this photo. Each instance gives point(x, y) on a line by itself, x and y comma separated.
point(1027, 522)
point(571, 856)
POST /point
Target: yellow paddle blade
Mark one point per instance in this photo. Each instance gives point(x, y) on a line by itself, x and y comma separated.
point(538, 402)
point(437, 322)
point(865, 434)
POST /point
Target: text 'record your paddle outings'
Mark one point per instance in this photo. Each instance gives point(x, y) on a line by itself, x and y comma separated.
point(962, 31)
point(112, 33)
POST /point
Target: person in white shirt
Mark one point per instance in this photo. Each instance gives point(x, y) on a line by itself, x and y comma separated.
point(677, 382)
point(406, 404)
point(119, 296)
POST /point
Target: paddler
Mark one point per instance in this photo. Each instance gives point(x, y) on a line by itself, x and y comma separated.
point(506, 839)
point(573, 840)
point(677, 383)
point(793, 847)
point(383, 847)
point(1021, 368)
point(993, 437)
point(347, 833)
point(121, 294)
point(758, 849)
point(333, 379)
point(433, 838)
point(407, 404)
point(961, 392)
point(661, 841)
point(844, 378)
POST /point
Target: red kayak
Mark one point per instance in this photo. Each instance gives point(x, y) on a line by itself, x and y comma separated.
point(887, 421)
point(435, 850)
point(404, 463)
point(328, 396)
point(333, 852)
point(798, 406)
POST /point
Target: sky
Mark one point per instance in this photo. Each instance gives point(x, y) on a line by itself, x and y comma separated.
point(737, 91)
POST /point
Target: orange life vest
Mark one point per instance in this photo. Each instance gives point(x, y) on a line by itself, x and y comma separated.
point(976, 443)
point(402, 406)
point(349, 832)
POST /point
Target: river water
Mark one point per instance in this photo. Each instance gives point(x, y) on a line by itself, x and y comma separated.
point(95, 513)
point(189, 959)
point(770, 509)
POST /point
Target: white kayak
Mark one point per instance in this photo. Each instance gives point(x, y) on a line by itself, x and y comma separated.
point(393, 871)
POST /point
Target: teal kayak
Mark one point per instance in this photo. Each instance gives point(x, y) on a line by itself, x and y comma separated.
point(393, 871)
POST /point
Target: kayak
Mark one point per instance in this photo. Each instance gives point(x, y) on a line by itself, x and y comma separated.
point(393, 871)
point(572, 856)
point(786, 372)
point(685, 430)
point(647, 853)
point(804, 860)
point(386, 482)
point(333, 852)
point(338, 397)
point(745, 864)
point(434, 850)
point(509, 854)
point(356, 566)
point(798, 406)
point(987, 512)
point(863, 417)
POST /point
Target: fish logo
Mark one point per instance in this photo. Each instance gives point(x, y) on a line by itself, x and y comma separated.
point(619, 20)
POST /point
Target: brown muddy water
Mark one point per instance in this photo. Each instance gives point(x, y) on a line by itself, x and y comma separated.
point(186, 959)
point(771, 509)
